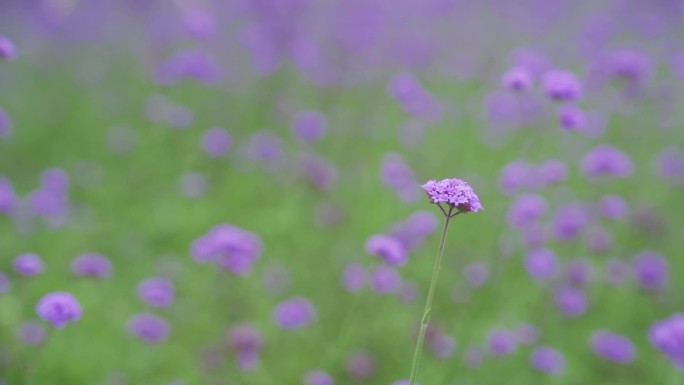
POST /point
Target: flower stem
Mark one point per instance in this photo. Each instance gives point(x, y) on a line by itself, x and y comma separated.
point(428, 303)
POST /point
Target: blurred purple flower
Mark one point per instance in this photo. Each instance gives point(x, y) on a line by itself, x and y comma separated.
point(579, 272)
point(59, 308)
point(651, 270)
point(527, 334)
point(570, 220)
point(388, 248)
point(294, 313)
point(616, 272)
point(670, 164)
point(92, 265)
point(548, 360)
point(443, 346)
point(355, 277)
point(398, 175)
point(360, 364)
point(476, 274)
point(413, 98)
point(413, 231)
point(32, 333)
point(561, 85)
point(193, 184)
point(216, 141)
point(541, 263)
point(318, 377)
point(149, 328)
point(526, 209)
point(386, 280)
point(28, 264)
point(8, 198)
point(229, 247)
point(514, 176)
point(572, 301)
point(613, 207)
point(454, 192)
point(197, 65)
point(200, 23)
point(264, 148)
point(599, 240)
point(572, 118)
point(309, 126)
point(606, 161)
point(247, 342)
point(474, 356)
point(502, 342)
point(613, 347)
point(518, 79)
point(157, 292)
point(631, 66)
point(318, 171)
point(8, 50)
point(667, 335)
point(552, 172)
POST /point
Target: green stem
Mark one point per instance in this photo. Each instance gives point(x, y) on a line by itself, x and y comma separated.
point(428, 303)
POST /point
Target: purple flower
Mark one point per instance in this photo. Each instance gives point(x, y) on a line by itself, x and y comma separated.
point(572, 301)
point(527, 334)
point(670, 164)
point(59, 308)
point(454, 192)
point(526, 209)
point(199, 23)
point(216, 141)
point(247, 342)
point(360, 364)
point(92, 265)
point(413, 231)
point(28, 264)
point(5, 124)
point(4, 283)
point(552, 172)
point(443, 345)
point(264, 148)
point(318, 171)
point(616, 272)
point(193, 184)
point(548, 360)
point(355, 277)
point(613, 347)
point(632, 66)
point(600, 240)
point(8, 51)
point(8, 198)
point(228, 246)
point(32, 333)
point(474, 356)
point(148, 328)
point(502, 342)
point(388, 248)
point(196, 65)
point(541, 263)
point(517, 79)
point(514, 176)
point(318, 377)
point(668, 336)
point(651, 270)
point(414, 99)
point(579, 272)
point(570, 220)
point(157, 292)
point(561, 85)
point(476, 274)
point(399, 176)
point(294, 313)
point(404, 382)
point(309, 126)
point(572, 118)
point(386, 280)
point(606, 161)
point(613, 207)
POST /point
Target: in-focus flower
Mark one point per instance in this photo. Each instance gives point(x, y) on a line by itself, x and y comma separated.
point(607, 161)
point(561, 85)
point(388, 248)
point(548, 360)
point(651, 270)
point(8, 50)
point(149, 328)
point(613, 347)
point(517, 79)
point(91, 265)
point(157, 292)
point(667, 335)
point(454, 192)
point(294, 313)
point(318, 377)
point(59, 308)
point(28, 264)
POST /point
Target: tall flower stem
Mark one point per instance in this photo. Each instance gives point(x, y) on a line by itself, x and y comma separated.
point(431, 293)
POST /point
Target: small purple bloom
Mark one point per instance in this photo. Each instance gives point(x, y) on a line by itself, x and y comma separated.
point(157, 292)
point(632, 66)
point(216, 141)
point(668, 336)
point(148, 328)
point(572, 118)
point(526, 209)
point(388, 248)
point(8, 198)
point(561, 85)
point(228, 246)
point(474, 356)
point(264, 148)
point(59, 308)
point(572, 301)
point(8, 50)
point(476, 274)
point(613, 207)
point(191, 64)
point(355, 277)
point(32, 333)
point(552, 172)
point(318, 171)
point(651, 270)
point(616, 272)
point(309, 126)
point(294, 313)
point(502, 342)
point(443, 345)
point(413, 231)
point(28, 264)
point(92, 265)
point(193, 184)
point(247, 342)
point(514, 176)
point(599, 240)
point(386, 280)
point(200, 23)
point(527, 334)
point(454, 192)
point(607, 161)
point(613, 347)
point(570, 220)
point(398, 175)
point(360, 364)
point(517, 79)
point(318, 377)
point(670, 164)
point(579, 272)
point(548, 360)
point(541, 263)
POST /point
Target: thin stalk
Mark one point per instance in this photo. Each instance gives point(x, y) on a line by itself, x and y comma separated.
point(428, 303)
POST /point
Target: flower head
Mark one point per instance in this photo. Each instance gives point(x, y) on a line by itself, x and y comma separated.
point(668, 336)
point(59, 308)
point(561, 85)
point(92, 265)
point(294, 313)
point(388, 248)
point(8, 50)
point(28, 264)
point(157, 292)
point(454, 192)
point(148, 327)
point(548, 360)
point(613, 347)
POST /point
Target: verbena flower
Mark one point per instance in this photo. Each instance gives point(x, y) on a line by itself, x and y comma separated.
point(361, 364)
point(613, 207)
point(309, 126)
point(388, 248)
point(247, 342)
point(651, 270)
point(526, 209)
point(149, 328)
point(572, 118)
point(548, 360)
point(32, 333)
point(230, 247)
point(572, 301)
point(28, 264)
point(294, 313)
point(453, 192)
point(8, 50)
point(607, 161)
point(318, 377)
point(518, 79)
point(216, 141)
point(667, 335)
point(561, 85)
point(613, 347)
point(502, 342)
point(355, 277)
point(91, 265)
point(386, 280)
point(541, 264)
point(59, 308)
point(157, 292)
